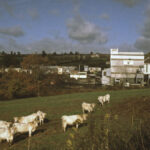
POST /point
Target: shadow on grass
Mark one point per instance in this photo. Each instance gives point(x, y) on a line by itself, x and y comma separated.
point(73, 126)
point(22, 136)
point(46, 120)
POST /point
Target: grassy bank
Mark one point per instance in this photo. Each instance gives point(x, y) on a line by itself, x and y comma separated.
point(50, 135)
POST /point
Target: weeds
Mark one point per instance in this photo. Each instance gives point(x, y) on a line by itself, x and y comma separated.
point(111, 134)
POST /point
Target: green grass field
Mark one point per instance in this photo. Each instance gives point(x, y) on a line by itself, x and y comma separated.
point(50, 135)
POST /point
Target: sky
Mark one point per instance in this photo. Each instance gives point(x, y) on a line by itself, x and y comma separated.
point(31, 26)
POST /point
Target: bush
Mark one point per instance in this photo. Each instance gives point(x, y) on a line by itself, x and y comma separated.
point(22, 85)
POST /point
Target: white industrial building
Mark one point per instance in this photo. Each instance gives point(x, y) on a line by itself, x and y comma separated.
point(126, 67)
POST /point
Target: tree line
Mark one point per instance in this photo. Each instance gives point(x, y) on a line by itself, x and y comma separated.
point(14, 59)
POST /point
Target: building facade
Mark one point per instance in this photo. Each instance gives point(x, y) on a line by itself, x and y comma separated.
point(146, 72)
point(126, 67)
point(106, 77)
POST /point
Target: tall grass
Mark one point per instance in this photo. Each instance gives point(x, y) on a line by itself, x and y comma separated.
point(112, 134)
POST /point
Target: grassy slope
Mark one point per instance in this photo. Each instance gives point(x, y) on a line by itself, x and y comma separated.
point(51, 134)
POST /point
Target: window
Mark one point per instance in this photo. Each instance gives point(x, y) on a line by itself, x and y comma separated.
point(128, 62)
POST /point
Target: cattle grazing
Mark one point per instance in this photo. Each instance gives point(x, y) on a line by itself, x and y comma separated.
point(41, 116)
point(7, 134)
point(73, 120)
point(25, 127)
point(103, 99)
point(87, 107)
point(5, 124)
point(107, 98)
point(26, 119)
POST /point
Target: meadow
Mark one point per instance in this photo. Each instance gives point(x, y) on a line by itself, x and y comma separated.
point(131, 107)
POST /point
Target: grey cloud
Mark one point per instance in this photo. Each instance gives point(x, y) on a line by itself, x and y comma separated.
point(12, 45)
point(12, 31)
point(8, 8)
point(146, 28)
point(50, 45)
point(59, 45)
point(54, 12)
point(125, 47)
point(2, 48)
point(76, 6)
point(85, 32)
point(143, 42)
point(33, 13)
point(104, 16)
point(129, 3)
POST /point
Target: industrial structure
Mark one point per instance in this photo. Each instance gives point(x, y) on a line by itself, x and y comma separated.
point(126, 67)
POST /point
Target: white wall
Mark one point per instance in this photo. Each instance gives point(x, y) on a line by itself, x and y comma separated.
point(125, 64)
point(146, 69)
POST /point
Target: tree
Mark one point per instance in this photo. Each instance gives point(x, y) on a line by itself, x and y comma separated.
point(18, 53)
point(44, 53)
point(91, 53)
point(54, 53)
point(33, 61)
point(71, 53)
point(76, 53)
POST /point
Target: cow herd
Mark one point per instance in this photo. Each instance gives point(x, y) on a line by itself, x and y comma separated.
point(21, 125)
point(30, 123)
point(76, 120)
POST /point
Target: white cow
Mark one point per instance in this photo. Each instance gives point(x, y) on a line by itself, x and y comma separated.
point(26, 119)
point(107, 98)
point(25, 127)
point(88, 107)
point(73, 120)
point(41, 116)
point(103, 99)
point(7, 134)
point(5, 124)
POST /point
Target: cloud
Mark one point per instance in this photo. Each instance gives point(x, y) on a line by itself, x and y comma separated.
point(104, 16)
point(125, 47)
point(129, 3)
point(54, 12)
point(85, 32)
point(2, 48)
point(8, 8)
point(143, 42)
point(59, 45)
point(146, 28)
point(76, 6)
point(33, 13)
point(12, 45)
point(12, 31)
point(50, 45)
